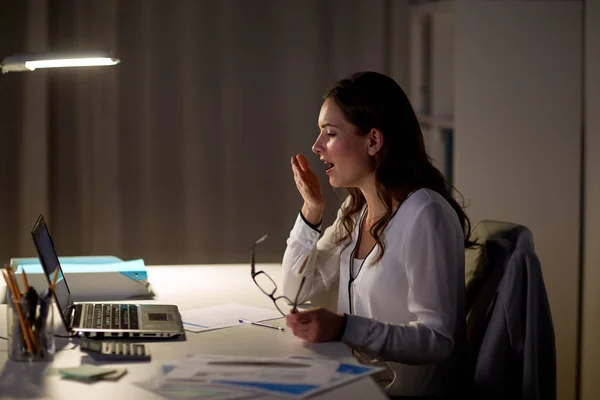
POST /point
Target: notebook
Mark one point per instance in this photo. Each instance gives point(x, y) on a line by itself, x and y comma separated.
point(102, 319)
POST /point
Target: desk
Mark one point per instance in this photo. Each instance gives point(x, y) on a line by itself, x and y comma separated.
point(188, 287)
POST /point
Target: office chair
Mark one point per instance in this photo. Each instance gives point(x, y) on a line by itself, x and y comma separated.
point(510, 333)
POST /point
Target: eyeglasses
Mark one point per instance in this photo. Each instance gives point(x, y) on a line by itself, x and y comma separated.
point(268, 286)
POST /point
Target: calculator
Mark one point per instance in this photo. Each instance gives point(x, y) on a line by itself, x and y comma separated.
point(115, 350)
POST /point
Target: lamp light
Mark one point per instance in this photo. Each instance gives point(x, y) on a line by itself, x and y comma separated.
point(31, 62)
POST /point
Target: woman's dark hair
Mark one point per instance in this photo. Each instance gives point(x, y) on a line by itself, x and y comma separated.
point(370, 100)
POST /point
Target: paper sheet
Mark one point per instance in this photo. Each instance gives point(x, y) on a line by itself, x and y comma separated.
point(202, 387)
point(224, 315)
point(211, 369)
point(189, 389)
point(321, 374)
point(193, 390)
point(344, 374)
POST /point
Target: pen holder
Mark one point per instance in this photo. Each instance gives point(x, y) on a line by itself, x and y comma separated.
point(39, 344)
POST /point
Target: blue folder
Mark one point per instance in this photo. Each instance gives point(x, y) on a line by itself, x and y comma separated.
point(133, 269)
point(92, 277)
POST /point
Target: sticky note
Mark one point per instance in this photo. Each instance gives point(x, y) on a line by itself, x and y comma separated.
point(86, 372)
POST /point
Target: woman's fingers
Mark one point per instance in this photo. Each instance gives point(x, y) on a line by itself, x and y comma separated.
point(302, 172)
point(306, 181)
point(303, 331)
point(295, 170)
point(315, 325)
point(299, 163)
point(303, 163)
point(295, 164)
point(300, 176)
point(296, 167)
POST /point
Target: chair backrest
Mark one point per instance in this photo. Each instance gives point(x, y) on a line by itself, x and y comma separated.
point(510, 334)
point(477, 265)
point(482, 277)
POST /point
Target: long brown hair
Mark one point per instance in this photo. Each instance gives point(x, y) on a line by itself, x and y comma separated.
point(370, 100)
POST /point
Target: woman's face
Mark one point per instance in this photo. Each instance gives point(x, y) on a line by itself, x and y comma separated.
point(341, 147)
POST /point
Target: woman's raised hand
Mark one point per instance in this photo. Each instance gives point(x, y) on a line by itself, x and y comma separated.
point(310, 189)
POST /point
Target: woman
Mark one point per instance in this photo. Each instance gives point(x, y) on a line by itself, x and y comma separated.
point(396, 247)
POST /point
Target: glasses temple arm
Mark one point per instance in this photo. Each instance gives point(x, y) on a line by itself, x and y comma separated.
point(252, 268)
point(295, 309)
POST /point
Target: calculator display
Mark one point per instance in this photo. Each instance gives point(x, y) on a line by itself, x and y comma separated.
point(157, 316)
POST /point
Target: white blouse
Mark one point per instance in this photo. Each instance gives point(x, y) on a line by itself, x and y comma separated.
point(408, 309)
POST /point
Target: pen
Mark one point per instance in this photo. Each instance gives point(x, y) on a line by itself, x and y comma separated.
point(245, 321)
point(44, 301)
point(31, 299)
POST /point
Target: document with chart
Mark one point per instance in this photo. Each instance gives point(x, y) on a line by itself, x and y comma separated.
point(280, 376)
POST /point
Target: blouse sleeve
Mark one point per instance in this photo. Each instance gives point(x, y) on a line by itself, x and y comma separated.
point(308, 256)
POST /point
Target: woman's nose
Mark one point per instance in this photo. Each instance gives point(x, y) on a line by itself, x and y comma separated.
point(317, 148)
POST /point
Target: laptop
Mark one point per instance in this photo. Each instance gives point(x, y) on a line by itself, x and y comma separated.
point(100, 319)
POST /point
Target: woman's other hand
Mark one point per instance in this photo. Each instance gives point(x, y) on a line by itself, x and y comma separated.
point(310, 189)
point(316, 325)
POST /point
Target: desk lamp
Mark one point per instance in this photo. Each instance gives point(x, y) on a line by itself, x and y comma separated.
point(31, 62)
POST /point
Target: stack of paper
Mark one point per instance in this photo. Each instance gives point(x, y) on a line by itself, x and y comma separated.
point(251, 376)
point(189, 390)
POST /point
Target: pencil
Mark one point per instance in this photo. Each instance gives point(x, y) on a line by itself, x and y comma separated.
point(19, 314)
point(14, 282)
point(29, 328)
point(54, 279)
point(24, 275)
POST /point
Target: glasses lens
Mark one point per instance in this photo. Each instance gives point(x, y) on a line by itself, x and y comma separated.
point(265, 283)
point(283, 305)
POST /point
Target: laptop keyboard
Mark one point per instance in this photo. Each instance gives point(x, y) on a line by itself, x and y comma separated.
point(111, 316)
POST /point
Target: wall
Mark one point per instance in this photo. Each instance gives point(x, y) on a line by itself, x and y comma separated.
point(34, 192)
point(518, 132)
point(590, 363)
point(179, 154)
point(13, 37)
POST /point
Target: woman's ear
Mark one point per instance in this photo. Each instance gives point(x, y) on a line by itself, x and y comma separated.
point(374, 141)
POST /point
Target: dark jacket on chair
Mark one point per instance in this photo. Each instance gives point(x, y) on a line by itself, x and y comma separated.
point(514, 356)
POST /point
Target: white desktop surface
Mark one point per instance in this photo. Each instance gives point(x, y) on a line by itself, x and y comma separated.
point(189, 286)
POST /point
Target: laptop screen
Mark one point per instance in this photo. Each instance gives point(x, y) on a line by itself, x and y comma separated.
point(50, 264)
